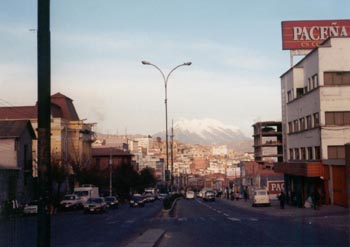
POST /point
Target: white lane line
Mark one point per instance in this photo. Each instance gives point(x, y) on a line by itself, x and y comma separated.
point(233, 219)
point(219, 211)
point(253, 219)
point(182, 219)
point(226, 215)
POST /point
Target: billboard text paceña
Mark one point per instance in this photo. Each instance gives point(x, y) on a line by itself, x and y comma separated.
point(298, 35)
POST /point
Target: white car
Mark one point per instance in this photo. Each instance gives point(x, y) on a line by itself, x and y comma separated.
point(71, 202)
point(190, 194)
point(31, 208)
point(261, 197)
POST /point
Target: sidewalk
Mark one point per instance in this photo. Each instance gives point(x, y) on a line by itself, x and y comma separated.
point(290, 211)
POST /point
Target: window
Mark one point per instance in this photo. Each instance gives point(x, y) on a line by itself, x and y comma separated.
point(337, 118)
point(310, 84)
point(289, 95)
point(300, 91)
point(315, 81)
point(309, 153)
point(317, 153)
point(291, 154)
point(303, 153)
point(316, 119)
point(290, 127)
point(302, 123)
point(308, 122)
point(296, 151)
point(336, 78)
point(336, 152)
point(296, 126)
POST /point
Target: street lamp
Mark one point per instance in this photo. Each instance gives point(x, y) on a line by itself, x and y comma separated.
point(166, 78)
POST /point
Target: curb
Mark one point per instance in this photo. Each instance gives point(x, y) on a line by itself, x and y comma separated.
point(168, 212)
point(148, 239)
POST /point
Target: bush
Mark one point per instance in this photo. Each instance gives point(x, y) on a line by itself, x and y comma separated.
point(168, 202)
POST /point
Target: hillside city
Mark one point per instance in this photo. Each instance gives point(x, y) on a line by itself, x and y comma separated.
point(197, 182)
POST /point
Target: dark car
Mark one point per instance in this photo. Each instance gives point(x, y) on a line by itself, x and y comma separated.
point(95, 205)
point(209, 195)
point(137, 200)
point(112, 201)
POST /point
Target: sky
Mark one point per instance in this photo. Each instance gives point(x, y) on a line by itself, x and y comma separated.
point(97, 47)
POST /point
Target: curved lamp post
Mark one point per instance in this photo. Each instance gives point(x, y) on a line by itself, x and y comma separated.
point(166, 78)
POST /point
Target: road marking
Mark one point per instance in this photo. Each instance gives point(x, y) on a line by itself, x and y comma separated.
point(233, 219)
point(219, 211)
point(130, 221)
point(253, 219)
point(226, 215)
point(202, 218)
point(182, 219)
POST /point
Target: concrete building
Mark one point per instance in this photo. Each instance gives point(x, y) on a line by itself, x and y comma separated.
point(316, 123)
point(71, 138)
point(16, 180)
point(268, 142)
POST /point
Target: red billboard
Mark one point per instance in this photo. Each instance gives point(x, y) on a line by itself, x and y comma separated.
point(275, 187)
point(299, 35)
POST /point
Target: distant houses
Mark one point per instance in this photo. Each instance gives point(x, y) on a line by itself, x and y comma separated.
point(16, 169)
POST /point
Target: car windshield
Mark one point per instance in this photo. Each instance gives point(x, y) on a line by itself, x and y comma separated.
point(95, 200)
point(110, 199)
point(81, 193)
point(69, 198)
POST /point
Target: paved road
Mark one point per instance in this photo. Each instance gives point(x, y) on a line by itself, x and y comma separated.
point(72, 229)
point(196, 223)
point(199, 223)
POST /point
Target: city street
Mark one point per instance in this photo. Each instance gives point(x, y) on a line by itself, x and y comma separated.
point(195, 223)
point(220, 223)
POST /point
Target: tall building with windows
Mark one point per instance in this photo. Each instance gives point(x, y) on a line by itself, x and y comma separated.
point(315, 97)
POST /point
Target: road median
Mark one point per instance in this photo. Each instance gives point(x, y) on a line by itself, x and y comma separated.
point(148, 239)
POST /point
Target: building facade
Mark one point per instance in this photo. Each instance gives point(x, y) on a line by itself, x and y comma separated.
point(268, 142)
point(316, 123)
point(16, 180)
point(71, 138)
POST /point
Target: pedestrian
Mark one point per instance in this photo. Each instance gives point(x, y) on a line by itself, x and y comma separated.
point(282, 199)
point(237, 195)
point(245, 195)
point(316, 200)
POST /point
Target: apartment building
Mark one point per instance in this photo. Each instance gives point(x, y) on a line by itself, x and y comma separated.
point(315, 97)
point(268, 142)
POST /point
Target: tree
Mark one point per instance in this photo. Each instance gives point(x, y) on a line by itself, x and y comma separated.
point(124, 180)
point(146, 179)
point(59, 174)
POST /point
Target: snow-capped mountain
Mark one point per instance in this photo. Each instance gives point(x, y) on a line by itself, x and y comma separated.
point(206, 131)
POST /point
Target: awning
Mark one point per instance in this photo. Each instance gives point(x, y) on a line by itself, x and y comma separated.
point(305, 169)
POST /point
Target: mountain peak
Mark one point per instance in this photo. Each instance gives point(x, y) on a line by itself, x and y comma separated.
point(207, 132)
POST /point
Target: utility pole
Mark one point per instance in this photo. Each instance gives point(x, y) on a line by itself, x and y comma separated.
point(44, 125)
point(172, 153)
point(110, 173)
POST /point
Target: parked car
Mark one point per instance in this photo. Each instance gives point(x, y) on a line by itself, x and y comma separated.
point(95, 205)
point(71, 202)
point(190, 194)
point(149, 197)
point(137, 200)
point(31, 208)
point(209, 195)
point(112, 201)
point(162, 196)
point(261, 197)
